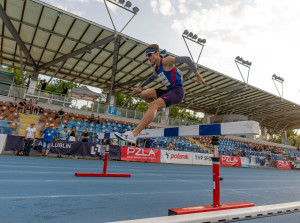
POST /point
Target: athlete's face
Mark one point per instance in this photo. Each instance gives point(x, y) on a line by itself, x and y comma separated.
point(152, 57)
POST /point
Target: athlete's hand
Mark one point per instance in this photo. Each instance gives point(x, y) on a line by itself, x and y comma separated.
point(200, 79)
point(135, 90)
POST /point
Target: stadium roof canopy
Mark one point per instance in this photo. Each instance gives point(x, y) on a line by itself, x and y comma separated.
point(57, 43)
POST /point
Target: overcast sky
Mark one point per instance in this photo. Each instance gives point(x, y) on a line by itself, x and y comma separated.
point(265, 32)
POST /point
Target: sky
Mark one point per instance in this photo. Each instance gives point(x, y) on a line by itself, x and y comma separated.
point(265, 32)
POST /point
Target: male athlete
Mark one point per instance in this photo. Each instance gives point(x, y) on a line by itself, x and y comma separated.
point(159, 99)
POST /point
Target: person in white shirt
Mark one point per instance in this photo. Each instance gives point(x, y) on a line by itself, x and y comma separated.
point(29, 137)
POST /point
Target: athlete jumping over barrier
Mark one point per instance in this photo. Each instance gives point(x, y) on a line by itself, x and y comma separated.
point(159, 99)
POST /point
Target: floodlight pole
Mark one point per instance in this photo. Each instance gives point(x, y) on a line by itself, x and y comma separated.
point(280, 80)
point(110, 16)
point(239, 60)
point(123, 7)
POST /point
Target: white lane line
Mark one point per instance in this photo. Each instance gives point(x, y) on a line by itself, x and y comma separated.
point(126, 194)
point(97, 195)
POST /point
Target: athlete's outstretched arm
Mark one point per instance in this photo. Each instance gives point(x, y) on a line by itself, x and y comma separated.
point(147, 81)
point(170, 61)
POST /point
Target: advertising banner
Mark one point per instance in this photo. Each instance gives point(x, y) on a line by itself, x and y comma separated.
point(230, 161)
point(131, 153)
point(84, 149)
point(295, 165)
point(283, 164)
point(176, 157)
point(112, 110)
point(245, 162)
point(202, 159)
point(2, 142)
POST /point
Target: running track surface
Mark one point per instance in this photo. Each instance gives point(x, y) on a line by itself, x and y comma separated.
point(34, 189)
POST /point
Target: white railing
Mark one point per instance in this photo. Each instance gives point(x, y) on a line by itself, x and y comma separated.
point(96, 107)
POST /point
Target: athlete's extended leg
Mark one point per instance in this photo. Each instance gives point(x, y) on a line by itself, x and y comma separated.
point(149, 116)
point(146, 120)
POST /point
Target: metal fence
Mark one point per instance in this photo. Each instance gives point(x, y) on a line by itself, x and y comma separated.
point(95, 107)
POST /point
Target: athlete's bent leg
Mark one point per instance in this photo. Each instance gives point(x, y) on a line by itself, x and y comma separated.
point(149, 95)
point(149, 116)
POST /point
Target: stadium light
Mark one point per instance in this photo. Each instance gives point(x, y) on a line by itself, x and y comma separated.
point(194, 38)
point(245, 63)
point(277, 78)
point(280, 80)
point(124, 5)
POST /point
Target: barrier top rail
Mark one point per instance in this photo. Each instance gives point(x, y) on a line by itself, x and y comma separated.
point(228, 128)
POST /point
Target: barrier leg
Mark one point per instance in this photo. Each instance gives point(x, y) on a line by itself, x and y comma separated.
point(103, 174)
point(216, 206)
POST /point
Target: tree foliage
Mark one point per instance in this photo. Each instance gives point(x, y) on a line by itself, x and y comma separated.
point(18, 78)
point(56, 85)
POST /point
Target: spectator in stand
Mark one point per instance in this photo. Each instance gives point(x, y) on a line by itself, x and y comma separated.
point(105, 141)
point(148, 143)
point(61, 113)
point(85, 135)
point(172, 146)
point(29, 138)
point(236, 152)
point(243, 154)
point(15, 103)
point(44, 85)
point(269, 157)
point(29, 107)
point(63, 134)
point(64, 91)
point(50, 135)
point(72, 134)
point(36, 107)
point(92, 119)
point(22, 105)
point(98, 120)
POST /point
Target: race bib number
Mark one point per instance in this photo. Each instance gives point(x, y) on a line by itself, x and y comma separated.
point(164, 79)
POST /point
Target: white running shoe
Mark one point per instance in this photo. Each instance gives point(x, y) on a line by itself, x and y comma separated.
point(127, 136)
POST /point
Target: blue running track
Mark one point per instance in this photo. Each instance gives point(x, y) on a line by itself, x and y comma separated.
point(34, 189)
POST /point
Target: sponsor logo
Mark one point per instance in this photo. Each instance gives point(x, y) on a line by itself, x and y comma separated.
point(197, 157)
point(283, 164)
point(97, 148)
point(139, 152)
point(230, 159)
point(144, 134)
point(167, 155)
point(55, 144)
point(177, 156)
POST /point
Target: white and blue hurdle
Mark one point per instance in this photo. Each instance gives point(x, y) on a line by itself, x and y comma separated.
point(225, 129)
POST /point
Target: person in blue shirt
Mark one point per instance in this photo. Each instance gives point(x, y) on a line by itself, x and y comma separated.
point(148, 143)
point(165, 69)
point(50, 135)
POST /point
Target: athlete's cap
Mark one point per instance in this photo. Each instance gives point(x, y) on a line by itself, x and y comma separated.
point(51, 125)
point(151, 51)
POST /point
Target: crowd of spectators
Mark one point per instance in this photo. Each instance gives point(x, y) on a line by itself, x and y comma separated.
point(62, 122)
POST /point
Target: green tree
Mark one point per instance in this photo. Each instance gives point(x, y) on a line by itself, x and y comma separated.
point(18, 78)
point(56, 85)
